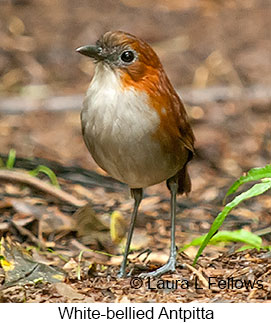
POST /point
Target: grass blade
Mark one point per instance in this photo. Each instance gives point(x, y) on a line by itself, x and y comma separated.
point(48, 172)
point(11, 159)
point(255, 190)
point(244, 236)
point(253, 174)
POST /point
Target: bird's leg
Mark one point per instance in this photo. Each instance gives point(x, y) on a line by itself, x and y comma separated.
point(170, 265)
point(137, 194)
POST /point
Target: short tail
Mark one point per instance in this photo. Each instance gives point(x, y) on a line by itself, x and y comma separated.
point(184, 181)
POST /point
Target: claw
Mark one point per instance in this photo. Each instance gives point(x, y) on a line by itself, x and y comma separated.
point(121, 275)
point(168, 267)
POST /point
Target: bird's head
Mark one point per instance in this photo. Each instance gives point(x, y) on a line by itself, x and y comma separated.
point(133, 59)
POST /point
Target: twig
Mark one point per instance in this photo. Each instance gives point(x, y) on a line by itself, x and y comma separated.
point(200, 276)
point(29, 234)
point(21, 177)
point(258, 92)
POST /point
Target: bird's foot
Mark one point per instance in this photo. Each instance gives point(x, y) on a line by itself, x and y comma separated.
point(121, 274)
point(168, 267)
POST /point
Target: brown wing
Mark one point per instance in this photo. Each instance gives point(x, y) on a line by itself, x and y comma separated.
point(187, 137)
point(185, 130)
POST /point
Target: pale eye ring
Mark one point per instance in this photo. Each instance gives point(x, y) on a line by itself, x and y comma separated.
point(127, 56)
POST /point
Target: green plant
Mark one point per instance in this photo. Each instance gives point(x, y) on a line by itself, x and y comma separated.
point(264, 175)
point(46, 170)
point(10, 161)
point(252, 240)
point(40, 169)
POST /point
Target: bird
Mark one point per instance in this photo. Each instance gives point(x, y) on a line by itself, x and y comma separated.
point(135, 125)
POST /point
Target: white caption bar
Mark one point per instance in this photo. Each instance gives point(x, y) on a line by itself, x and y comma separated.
point(192, 312)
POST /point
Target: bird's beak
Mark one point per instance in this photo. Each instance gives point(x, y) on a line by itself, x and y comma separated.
point(92, 51)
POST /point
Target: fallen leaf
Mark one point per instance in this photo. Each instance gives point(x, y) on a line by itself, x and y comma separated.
point(21, 269)
point(70, 293)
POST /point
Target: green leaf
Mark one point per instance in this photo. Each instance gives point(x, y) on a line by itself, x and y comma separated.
point(229, 236)
point(253, 174)
point(46, 170)
point(255, 190)
point(11, 159)
point(195, 242)
point(238, 236)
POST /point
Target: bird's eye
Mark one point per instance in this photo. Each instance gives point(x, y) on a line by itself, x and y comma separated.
point(127, 56)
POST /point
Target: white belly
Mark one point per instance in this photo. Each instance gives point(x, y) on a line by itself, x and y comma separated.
point(118, 128)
